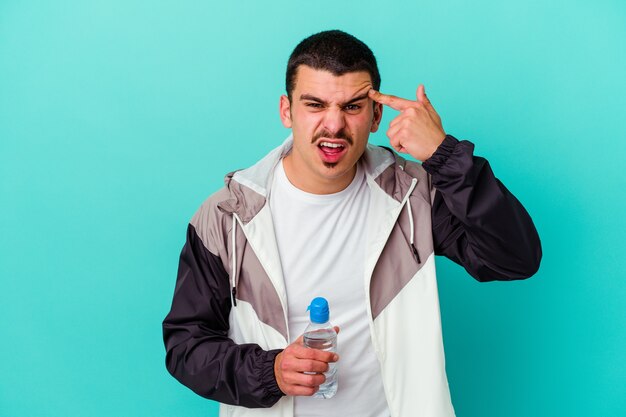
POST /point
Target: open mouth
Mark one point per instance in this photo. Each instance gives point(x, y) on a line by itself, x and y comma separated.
point(331, 151)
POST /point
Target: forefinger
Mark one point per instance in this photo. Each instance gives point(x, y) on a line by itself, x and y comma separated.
point(396, 103)
point(303, 352)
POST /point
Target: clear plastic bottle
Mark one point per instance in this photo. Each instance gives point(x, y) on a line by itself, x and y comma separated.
point(320, 334)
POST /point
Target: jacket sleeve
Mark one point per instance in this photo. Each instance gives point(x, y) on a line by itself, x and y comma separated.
point(477, 222)
point(199, 353)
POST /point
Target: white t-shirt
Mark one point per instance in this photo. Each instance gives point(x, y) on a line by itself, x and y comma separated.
point(321, 242)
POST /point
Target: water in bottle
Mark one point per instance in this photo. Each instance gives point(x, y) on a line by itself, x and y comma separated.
point(320, 334)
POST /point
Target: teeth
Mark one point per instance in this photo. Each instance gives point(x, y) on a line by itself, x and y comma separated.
point(331, 145)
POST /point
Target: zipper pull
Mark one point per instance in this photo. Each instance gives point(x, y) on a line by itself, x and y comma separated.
point(234, 299)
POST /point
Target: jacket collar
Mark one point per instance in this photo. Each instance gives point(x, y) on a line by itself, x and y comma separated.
point(250, 187)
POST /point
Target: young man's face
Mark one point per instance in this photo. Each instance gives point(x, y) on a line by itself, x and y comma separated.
point(331, 118)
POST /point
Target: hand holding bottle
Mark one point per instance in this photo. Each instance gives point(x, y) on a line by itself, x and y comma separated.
point(292, 364)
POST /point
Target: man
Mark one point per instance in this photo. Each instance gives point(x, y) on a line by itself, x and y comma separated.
point(326, 214)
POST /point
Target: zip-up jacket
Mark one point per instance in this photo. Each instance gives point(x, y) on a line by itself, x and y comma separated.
point(228, 319)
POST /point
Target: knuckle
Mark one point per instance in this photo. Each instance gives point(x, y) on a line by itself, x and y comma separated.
point(319, 379)
point(286, 364)
point(300, 351)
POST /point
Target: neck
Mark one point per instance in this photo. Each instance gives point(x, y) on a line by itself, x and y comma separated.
point(315, 184)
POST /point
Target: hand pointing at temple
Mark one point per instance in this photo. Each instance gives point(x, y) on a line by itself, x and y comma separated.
point(417, 130)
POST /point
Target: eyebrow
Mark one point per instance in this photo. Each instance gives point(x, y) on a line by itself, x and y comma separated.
point(319, 100)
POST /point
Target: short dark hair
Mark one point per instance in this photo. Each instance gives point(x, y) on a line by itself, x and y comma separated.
point(334, 51)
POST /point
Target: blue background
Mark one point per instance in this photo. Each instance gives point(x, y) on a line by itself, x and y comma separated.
point(118, 118)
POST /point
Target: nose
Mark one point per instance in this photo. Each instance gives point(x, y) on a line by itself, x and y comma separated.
point(334, 120)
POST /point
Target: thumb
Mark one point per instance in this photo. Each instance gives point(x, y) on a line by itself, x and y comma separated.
point(421, 95)
point(423, 98)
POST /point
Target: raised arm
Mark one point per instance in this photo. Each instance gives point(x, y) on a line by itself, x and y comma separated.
point(477, 222)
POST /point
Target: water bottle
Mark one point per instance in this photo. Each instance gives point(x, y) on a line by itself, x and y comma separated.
point(320, 334)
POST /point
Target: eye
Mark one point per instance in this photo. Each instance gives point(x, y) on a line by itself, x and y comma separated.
point(313, 105)
point(352, 107)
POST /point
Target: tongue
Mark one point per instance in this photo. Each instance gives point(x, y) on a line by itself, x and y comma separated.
point(330, 150)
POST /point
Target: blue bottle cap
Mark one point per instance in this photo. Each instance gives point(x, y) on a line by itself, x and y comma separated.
point(319, 310)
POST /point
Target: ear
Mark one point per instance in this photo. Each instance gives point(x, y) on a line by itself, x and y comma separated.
point(378, 115)
point(284, 109)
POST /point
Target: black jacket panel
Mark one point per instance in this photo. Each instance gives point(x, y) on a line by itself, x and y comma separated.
point(199, 353)
point(477, 222)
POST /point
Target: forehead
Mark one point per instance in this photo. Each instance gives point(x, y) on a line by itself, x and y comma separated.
point(326, 85)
